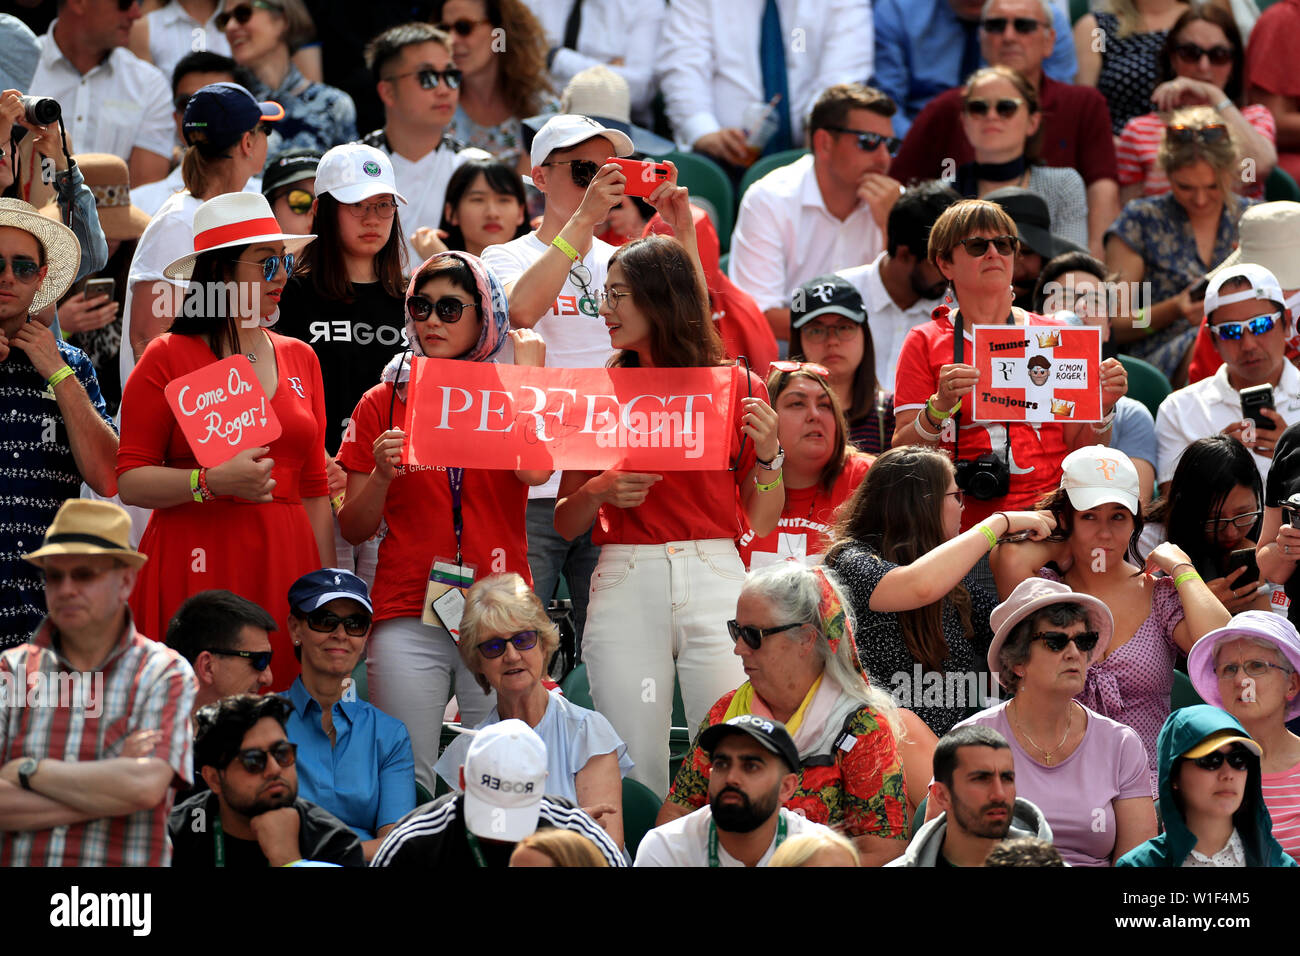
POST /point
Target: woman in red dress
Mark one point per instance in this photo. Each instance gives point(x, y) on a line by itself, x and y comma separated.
point(257, 522)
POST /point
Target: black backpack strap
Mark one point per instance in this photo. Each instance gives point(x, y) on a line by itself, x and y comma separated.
point(828, 759)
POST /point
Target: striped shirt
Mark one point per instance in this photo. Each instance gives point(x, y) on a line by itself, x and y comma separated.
point(1282, 797)
point(1140, 143)
point(142, 685)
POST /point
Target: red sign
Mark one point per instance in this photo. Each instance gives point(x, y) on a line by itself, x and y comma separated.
point(222, 408)
point(479, 415)
point(1037, 373)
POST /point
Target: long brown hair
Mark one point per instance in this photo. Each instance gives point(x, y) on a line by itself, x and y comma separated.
point(323, 260)
point(207, 309)
point(667, 291)
point(897, 511)
point(779, 381)
point(523, 78)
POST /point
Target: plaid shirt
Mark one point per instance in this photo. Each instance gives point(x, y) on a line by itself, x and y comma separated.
point(145, 685)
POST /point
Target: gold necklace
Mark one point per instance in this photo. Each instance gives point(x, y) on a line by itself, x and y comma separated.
point(1047, 754)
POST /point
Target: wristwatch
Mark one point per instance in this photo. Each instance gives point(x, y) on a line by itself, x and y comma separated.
point(775, 464)
point(25, 771)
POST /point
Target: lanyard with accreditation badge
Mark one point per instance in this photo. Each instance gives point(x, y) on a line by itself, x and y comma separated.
point(713, 839)
point(444, 598)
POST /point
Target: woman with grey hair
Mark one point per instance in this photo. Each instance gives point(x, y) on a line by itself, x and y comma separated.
point(795, 640)
point(506, 642)
point(1249, 668)
point(1087, 773)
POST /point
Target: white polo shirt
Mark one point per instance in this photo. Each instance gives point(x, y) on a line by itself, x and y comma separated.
point(785, 235)
point(888, 323)
point(173, 34)
point(1208, 407)
point(122, 103)
point(685, 841)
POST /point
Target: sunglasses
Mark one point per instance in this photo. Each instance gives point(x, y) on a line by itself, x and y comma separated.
point(867, 142)
point(461, 27)
point(181, 102)
point(258, 660)
point(496, 646)
point(79, 575)
point(254, 758)
point(753, 636)
point(240, 14)
point(1191, 53)
point(1205, 135)
point(271, 265)
point(977, 246)
point(1242, 521)
point(125, 5)
point(429, 79)
point(448, 309)
point(822, 370)
point(298, 200)
point(583, 171)
point(1259, 325)
point(324, 622)
point(385, 209)
point(1023, 25)
point(25, 270)
point(1006, 107)
point(1238, 759)
point(1055, 641)
point(1252, 669)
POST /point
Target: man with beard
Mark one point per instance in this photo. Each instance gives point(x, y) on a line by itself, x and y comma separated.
point(901, 287)
point(975, 785)
point(252, 816)
point(753, 771)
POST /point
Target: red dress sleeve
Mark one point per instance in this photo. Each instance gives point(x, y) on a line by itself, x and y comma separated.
point(147, 420)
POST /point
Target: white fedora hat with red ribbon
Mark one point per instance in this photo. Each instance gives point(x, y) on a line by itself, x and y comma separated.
point(233, 219)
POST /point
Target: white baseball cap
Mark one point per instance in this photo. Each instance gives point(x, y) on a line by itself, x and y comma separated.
point(505, 779)
point(570, 129)
point(1263, 286)
point(354, 172)
point(1097, 475)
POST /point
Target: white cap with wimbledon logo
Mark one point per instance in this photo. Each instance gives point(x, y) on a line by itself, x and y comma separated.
point(354, 172)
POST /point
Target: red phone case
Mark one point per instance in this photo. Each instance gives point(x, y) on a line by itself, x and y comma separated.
point(642, 177)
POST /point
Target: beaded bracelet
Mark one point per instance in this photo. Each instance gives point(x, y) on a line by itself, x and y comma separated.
point(208, 493)
point(59, 376)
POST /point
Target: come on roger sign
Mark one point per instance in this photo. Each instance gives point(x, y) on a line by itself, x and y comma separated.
point(1037, 373)
point(222, 409)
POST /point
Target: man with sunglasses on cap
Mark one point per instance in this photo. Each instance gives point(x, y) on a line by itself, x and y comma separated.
point(419, 86)
point(1250, 323)
point(94, 716)
point(252, 816)
point(754, 767)
point(226, 640)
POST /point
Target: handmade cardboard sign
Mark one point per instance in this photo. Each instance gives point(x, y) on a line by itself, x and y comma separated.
point(1037, 373)
point(222, 409)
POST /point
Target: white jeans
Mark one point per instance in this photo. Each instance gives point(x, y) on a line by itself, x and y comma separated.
point(410, 669)
point(361, 559)
point(655, 608)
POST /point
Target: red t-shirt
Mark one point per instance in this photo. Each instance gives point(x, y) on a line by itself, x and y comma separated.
point(804, 528)
point(1036, 449)
point(1270, 63)
point(417, 513)
point(688, 505)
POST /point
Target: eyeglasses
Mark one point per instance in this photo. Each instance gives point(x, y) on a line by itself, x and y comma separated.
point(271, 265)
point(582, 171)
point(1055, 641)
point(816, 332)
point(1259, 325)
point(1006, 107)
point(581, 276)
point(612, 296)
point(258, 660)
point(324, 622)
point(1238, 759)
point(822, 370)
point(1191, 53)
point(1242, 521)
point(1205, 135)
point(494, 647)
point(959, 496)
point(867, 142)
point(1252, 669)
point(1023, 25)
point(448, 309)
point(385, 209)
point(81, 575)
point(25, 270)
point(240, 14)
point(429, 79)
point(254, 758)
point(977, 246)
point(753, 636)
point(461, 27)
point(298, 200)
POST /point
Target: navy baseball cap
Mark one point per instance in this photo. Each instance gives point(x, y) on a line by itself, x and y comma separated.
point(771, 734)
point(826, 295)
point(320, 587)
point(219, 113)
point(288, 167)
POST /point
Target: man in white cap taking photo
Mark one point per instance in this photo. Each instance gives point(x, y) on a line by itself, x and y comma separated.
point(503, 800)
point(56, 423)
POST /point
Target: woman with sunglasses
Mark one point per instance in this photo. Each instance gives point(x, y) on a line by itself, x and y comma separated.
point(1211, 797)
point(821, 468)
point(264, 36)
point(259, 520)
point(507, 641)
point(501, 48)
point(1170, 242)
point(1085, 772)
point(1213, 508)
point(354, 760)
point(1201, 64)
point(455, 309)
point(1095, 552)
point(1001, 120)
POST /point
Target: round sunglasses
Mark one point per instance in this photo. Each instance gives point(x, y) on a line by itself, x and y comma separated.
point(753, 636)
point(271, 265)
point(254, 758)
point(1238, 758)
point(1006, 107)
point(298, 200)
point(494, 647)
point(448, 309)
point(1055, 641)
point(240, 14)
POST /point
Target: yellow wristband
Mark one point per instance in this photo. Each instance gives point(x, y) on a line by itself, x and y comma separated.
point(770, 485)
point(1186, 576)
point(567, 249)
point(60, 375)
point(195, 491)
point(989, 536)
